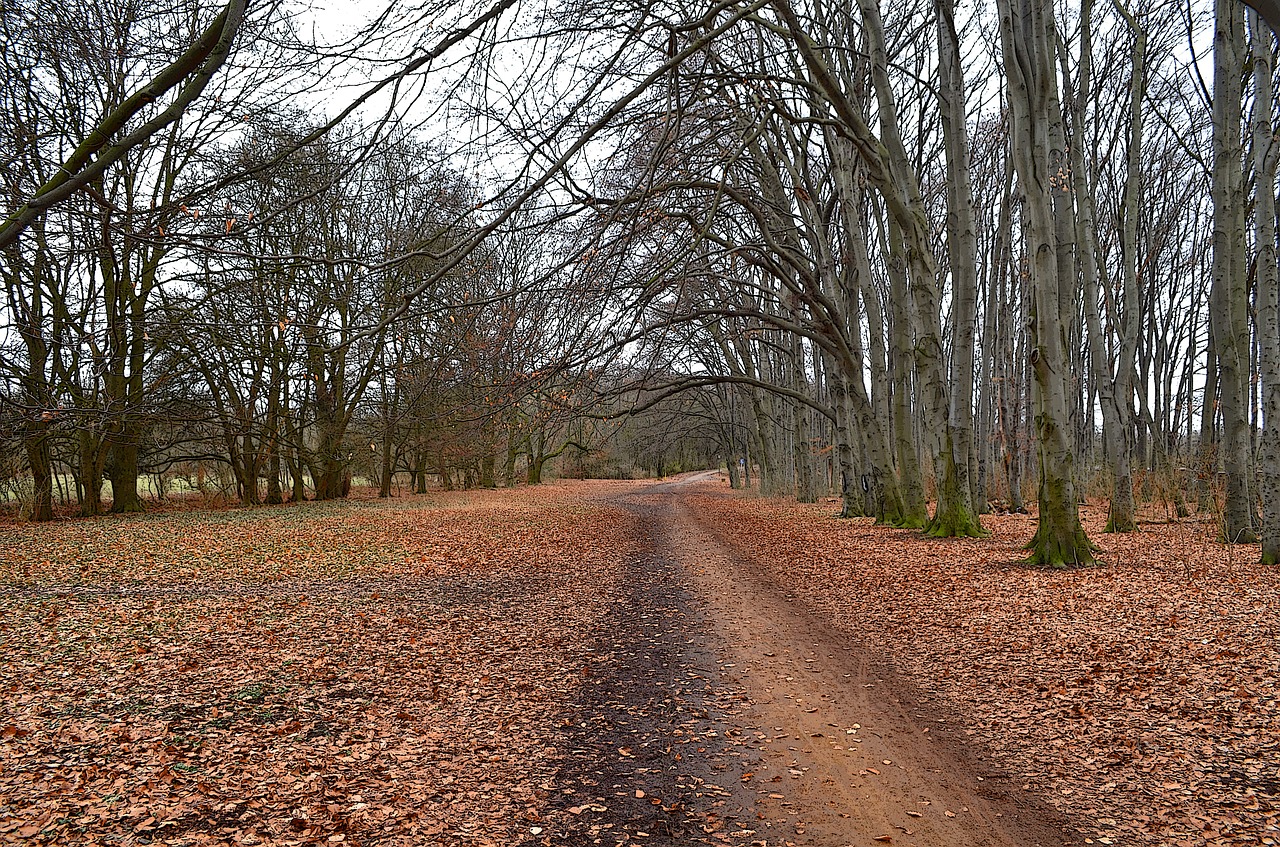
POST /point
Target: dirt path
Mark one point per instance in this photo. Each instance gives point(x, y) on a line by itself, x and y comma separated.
point(730, 714)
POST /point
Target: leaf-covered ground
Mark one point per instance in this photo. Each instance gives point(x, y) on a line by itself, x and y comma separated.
point(503, 668)
point(388, 673)
point(1139, 696)
point(530, 668)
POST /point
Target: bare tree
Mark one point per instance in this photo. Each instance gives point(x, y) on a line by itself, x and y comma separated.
point(1028, 40)
point(1230, 301)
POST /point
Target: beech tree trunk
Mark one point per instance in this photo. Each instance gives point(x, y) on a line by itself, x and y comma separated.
point(1266, 156)
point(1229, 303)
point(802, 449)
point(915, 512)
point(1115, 390)
point(1028, 38)
point(890, 170)
point(955, 514)
point(868, 410)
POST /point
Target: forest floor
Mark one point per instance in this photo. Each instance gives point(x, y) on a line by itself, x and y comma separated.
point(606, 663)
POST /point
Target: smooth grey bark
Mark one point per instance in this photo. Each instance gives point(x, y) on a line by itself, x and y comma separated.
point(1065, 248)
point(987, 395)
point(1121, 514)
point(883, 492)
point(1008, 370)
point(802, 447)
point(867, 411)
point(1228, 305)
point(890, 170)
point(1114, 389)
point(915, 511)
point(1266, 157)
point(1028, 41)
point(955, 514)
point(1207, 459)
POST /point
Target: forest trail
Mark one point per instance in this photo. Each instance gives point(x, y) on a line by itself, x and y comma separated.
point(840, 752)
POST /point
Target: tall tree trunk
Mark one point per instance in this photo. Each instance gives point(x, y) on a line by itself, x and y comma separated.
point(535, 458)
point(1121, 514)
point(1228, 305)
point(1008, 399)
point(915, 510)
point(987, 397)
point(275, 495)
point(889, 168)
point(955, 514)
point(36, 443)
point(509, 467)
point(385, 465)
point(35, 390)
point(298, 485)
point(869, 410)
point(802, 449)
point(1115, 391)
point(328, 467)
point(489, 467)
point(1028, 38)
point(850, 489)
point(1207, 458)
point(1266, 156)
point(92, 455)
point(122, 469)
point(247, 461)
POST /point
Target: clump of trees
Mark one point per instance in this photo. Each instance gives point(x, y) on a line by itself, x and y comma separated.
point(1015, 259)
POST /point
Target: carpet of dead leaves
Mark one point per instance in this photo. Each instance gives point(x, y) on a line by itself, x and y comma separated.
point(1139, 696)
point(427, 670)
point(376, 672)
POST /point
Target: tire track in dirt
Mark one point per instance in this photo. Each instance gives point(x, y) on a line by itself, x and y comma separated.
point(652, 750)
point(842, 752)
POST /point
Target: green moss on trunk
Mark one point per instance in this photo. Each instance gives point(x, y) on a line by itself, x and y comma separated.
point(850, 507)
point(1119, 522)
point(955, 523)
point(1061, 544)
point(954, 516)
point(904, 519)
point(123, 473)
